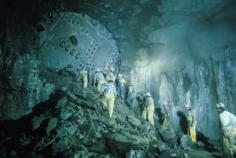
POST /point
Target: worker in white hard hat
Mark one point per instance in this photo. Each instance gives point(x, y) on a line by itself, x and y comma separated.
point(192, 122)
point(228, 126)
point(99, 80)
point(120, 86)
point(148, 112)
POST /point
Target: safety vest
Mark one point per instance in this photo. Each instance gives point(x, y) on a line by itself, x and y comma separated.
point(191, 120)
point(149, 101)
point(227, 119)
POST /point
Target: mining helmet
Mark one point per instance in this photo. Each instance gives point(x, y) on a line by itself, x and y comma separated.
point(187, 106)
point(220, 105)
point(98, 70)
point(148, 94)
point(165, 103)
point(119, 75)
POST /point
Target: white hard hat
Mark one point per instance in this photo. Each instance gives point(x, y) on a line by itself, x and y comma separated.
point(119, 75)
point(98, 70)
point(220, 105)
point(111, 68)
point(148, 94)
point(165, 103)
point(187, 106)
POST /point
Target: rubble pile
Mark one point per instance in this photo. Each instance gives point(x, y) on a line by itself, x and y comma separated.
point(71, 125)
point(21, 85)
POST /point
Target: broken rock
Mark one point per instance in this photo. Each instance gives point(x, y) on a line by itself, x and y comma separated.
point(37, 121)
point(135, 154)
point(134, 121)
point(51, 125)
point(124, 142)
point(186, 142)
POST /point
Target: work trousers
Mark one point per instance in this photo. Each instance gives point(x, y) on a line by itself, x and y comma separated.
point(109, 101)
point(229, 141)
point(192, 133)
point(147, 114)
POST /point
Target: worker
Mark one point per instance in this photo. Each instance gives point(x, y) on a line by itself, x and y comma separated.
point(149, 104)
point(140, 97)
point(228, 126)
point(192, 123)
point(109, 75)
point(167, 113)
point(120, 85)
point(131, 97)
point(83, 77)
point(109, 93)
point(99, 80)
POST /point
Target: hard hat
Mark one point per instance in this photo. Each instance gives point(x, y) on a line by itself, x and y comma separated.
point(111, 69)
point(119, 75)
point(188, 106)
point(98, 70)
point(148, 94)
point(165, 103)
point(220, 105)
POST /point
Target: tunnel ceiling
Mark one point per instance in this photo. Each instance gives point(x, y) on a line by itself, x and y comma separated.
point(130, 22)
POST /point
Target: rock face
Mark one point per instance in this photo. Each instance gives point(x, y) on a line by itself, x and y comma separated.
point(21, 86)
point(205, 84)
